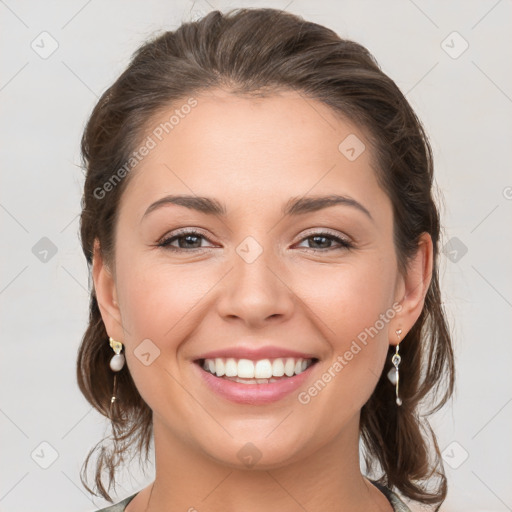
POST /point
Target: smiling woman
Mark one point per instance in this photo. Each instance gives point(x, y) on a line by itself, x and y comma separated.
point(266, 290)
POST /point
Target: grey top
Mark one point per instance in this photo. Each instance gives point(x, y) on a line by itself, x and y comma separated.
point(397, 504)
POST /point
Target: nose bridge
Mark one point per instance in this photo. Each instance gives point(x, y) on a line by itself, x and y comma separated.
point(255, 292)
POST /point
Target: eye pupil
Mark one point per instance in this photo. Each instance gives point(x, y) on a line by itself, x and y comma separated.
point(188, 238)
point(318, 237)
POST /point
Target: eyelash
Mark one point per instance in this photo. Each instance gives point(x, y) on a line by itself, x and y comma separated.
point(165, 243)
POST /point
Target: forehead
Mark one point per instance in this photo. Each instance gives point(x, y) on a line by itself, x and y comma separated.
point(248, 148)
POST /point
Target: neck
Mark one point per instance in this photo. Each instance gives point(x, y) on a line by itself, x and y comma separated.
point(187, 479)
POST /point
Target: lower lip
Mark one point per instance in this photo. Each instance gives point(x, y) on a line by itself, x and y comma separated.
point(254, 394)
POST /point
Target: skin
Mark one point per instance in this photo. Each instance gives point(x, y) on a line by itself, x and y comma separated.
point(253, 155)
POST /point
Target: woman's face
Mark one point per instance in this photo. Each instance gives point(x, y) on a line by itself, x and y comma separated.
point(253, 282)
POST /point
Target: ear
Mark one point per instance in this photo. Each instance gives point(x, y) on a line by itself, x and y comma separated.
point(106, 295)
point(412, 289)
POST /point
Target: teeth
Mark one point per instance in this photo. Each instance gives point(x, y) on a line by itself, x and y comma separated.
point(278, 368)
point(231, 368)
point(252, 381)
point(246, 369)
point(259, 371)
point(263, 369)
point(220, 368)
point(289, 367)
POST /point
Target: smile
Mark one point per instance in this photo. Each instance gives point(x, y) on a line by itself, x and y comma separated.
point(254, 382)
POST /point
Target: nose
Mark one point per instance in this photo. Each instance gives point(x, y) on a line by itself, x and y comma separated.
point(256, 292)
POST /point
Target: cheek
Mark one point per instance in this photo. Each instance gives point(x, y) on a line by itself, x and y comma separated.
point(155, 298)
point(160, 307)
point(349, 298)
point(353, 305)
point(161, 303)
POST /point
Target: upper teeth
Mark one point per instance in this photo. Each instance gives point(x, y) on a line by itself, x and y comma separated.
point(262, 369)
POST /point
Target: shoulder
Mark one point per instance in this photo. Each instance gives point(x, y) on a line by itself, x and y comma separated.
point(397, 504)
point(119, 507)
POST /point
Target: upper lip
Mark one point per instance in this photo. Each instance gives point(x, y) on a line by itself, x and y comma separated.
point(255, 353)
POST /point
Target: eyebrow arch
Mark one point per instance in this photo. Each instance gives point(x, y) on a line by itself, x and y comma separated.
point(298, 206)
point(201, 204)
point(294, 206)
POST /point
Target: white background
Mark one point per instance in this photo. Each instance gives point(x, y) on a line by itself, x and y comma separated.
point(466, 106)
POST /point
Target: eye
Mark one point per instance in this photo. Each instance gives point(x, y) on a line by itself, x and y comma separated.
point(324, 240)
point(187, 240)
point(191, 240)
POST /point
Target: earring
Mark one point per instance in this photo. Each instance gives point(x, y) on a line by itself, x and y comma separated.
point(116, 365)
point(117, 361)
point(396, 359)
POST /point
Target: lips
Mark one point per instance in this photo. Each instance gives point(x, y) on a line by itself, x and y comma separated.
point(252, 393)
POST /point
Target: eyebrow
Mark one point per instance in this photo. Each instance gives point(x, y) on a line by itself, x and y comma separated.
point(297, 206)
point(294, 206)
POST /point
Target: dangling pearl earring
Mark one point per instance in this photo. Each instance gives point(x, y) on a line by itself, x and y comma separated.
point(396, 359)
point(116, 365)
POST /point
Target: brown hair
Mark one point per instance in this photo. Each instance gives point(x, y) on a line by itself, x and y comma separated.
point(263, 50)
